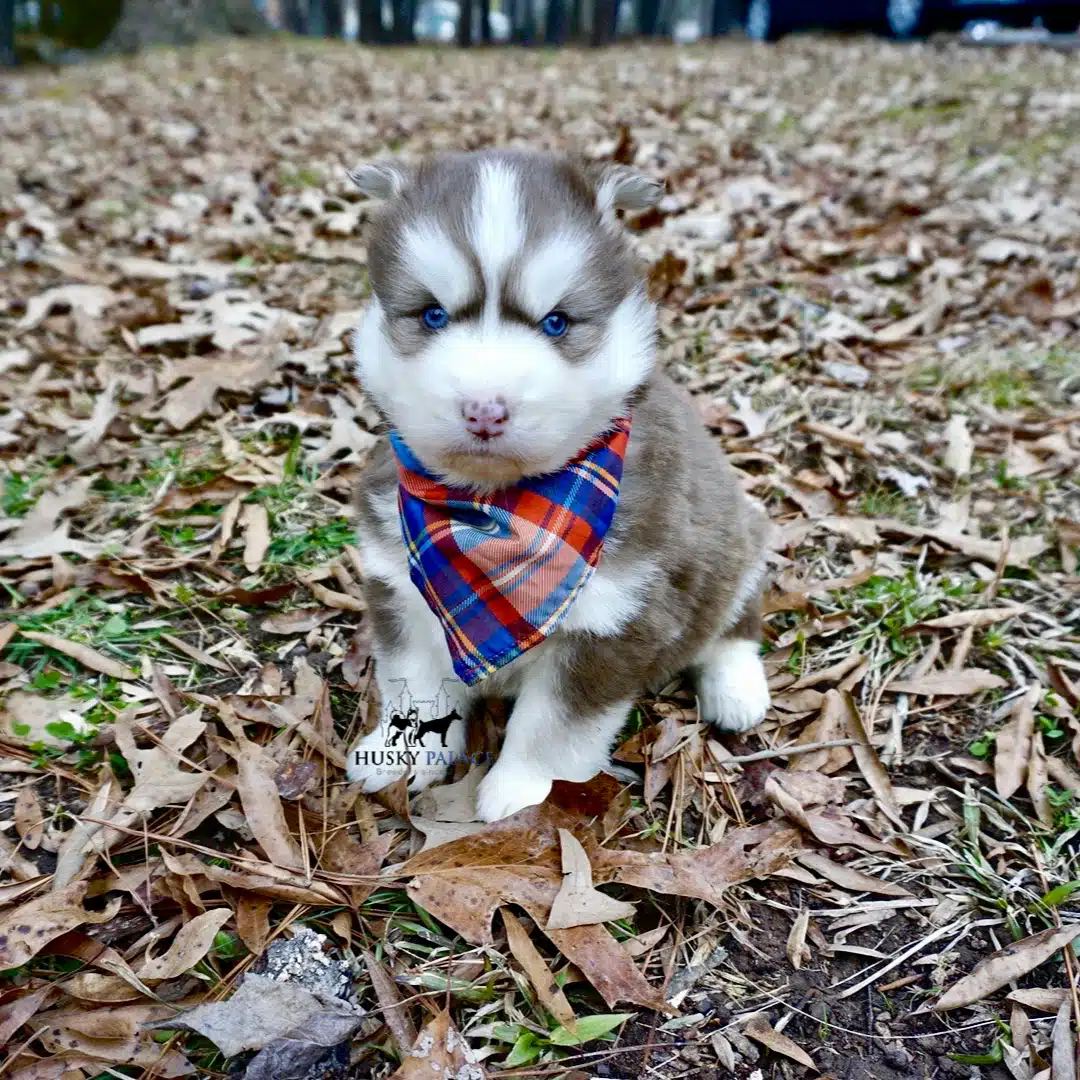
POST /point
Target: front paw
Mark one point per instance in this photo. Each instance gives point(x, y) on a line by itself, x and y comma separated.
point(508, 788)
point(733, 692)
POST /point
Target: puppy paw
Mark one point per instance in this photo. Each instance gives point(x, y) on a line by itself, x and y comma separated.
point(733, 693)
point(508, 788)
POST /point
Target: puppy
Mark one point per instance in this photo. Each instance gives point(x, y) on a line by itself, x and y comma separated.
point(549, 521)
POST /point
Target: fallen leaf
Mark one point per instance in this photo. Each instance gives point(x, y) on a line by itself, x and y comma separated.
point(29, 820)
point(950, 683)
point(27, 929)
point(440, 1052)
point(1063, 1048)
point(89, 658)
point(1048, 1001)
point(392, 1005)
point(262, 1009)
point(534, 965)
point(974, 617)
point(1012, 748)
point(959, 446)
point(1038, 779)
point(259, 796)
point(848, 878)
point(255, 525)
point(299, 621)
point(191, 944)
point(760, 1030)
point(796, 947)
point(578, 903)
point(869, 763)
point(1002, 967)
point(91, 300)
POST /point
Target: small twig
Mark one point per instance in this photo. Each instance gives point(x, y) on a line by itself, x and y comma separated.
point(787, 751)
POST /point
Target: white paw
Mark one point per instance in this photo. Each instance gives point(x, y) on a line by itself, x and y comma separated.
point(376, 761)
point(733, 693)
point(510, 787)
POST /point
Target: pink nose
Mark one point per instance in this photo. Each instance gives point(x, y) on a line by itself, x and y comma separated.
point(485, 419)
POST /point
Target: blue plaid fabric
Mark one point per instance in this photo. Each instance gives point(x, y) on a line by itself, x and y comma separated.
point(501, 571)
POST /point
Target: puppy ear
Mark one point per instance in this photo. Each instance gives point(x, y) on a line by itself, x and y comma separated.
point(621, 188)
point(381, 179)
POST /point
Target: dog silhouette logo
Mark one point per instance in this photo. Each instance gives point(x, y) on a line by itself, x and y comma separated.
point(407, 729)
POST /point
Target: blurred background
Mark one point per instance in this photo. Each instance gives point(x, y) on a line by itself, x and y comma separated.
point(56, 31)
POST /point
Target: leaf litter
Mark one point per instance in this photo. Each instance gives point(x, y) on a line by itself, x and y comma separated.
point(871, 291)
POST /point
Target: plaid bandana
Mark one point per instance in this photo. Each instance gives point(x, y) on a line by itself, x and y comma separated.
point(500, 571)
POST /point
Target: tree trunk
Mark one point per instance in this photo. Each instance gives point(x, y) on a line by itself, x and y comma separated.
point(294, 16)
point(485, 21)
point(401, 32)
point(333, 18)
point(604, 14)
point(182, 22)
point(555, 23)
point(526, 22)
point(371, 29)
point(7, 33)
point(648, 17)
point(725, 17)
point(465, 24)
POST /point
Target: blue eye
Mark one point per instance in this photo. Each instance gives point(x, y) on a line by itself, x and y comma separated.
point(555, 324)
point(435, 317)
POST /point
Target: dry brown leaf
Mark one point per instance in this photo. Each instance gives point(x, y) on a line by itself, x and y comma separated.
point(198, 655)
point(1038, 778)
point(80, 838)
point(255, 525)
point(89, 658)
point(259, 796)
point(578, 903)
point(829, 830)
point(333, 599)
point(535, 966)
point(1047, 1001)
point(252, 918)
point(27, 929)
point(959, 446)
point(440, 1052)
point(796, 948)
point(262, 878)
point(866, 758)
point(760, 1030)
point(1063, 1047)
point(29, 821)
point(1013, 746)
point(191, 944)
point(1002, 967)
point(974, 617)
point(299, 621)
point(950, 683)
point(16, 1013)
point(847, 878)
point(159, 779)
point(393, 1006)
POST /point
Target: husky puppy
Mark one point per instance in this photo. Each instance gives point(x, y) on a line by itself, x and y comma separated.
point(510, 346)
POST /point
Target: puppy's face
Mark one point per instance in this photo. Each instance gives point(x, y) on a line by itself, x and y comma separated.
point(508, 326)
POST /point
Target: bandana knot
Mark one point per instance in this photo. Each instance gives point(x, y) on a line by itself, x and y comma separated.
point(501, 571)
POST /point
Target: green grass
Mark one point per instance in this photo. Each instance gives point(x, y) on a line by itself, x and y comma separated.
point(84, 619)
point(887, 607)
point(20, 492)
point(882, 502)
point(295, 179)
